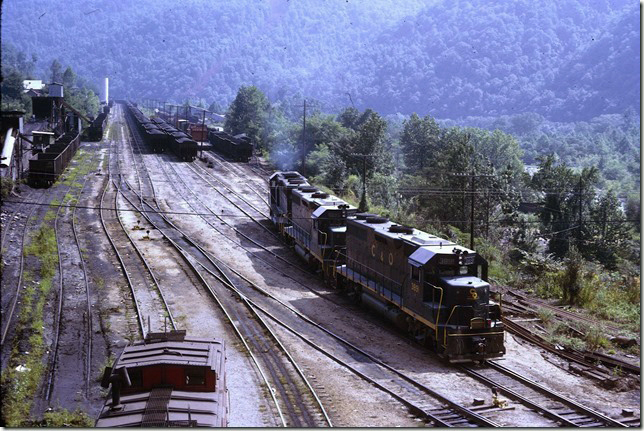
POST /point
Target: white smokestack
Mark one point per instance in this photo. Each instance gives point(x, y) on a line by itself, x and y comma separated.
point(106, 91)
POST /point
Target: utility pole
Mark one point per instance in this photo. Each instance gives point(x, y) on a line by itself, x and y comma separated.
point(472, 177)
point(364, 179)
point(302, 159)
point(580, 206)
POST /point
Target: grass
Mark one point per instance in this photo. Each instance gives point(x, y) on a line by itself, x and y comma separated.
point(545, 315)
point(19, 387)
point(6, 185)
point(64, 418)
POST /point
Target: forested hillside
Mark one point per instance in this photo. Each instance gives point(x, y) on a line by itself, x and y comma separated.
point(570, 60)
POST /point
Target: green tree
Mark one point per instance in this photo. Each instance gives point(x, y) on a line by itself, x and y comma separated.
point(608, 231)
point(69, 78)
point(247, 114)
point(320, 130)
point(56, 68)
point(567, 200)
point(419, 142)
point(349, 117)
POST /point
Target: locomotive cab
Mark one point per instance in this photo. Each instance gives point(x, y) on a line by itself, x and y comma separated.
point(449, 287)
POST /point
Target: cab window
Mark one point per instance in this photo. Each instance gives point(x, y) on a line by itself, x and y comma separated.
point(195, 376)
point(415, 273)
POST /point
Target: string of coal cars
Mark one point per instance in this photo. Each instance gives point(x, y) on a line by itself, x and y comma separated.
point(160, 136)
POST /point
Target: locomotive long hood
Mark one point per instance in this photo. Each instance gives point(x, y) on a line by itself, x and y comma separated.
point(423, 255)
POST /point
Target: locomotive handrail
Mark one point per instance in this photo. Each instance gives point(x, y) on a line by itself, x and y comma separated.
point(438, 313)
point(450, 317)
point(326, 237)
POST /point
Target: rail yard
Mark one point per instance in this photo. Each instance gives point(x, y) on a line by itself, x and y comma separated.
point(133, 241)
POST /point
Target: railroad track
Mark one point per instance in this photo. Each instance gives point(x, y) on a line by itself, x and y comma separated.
point(562, 411)
point(16, 214)
point(600, 365)
point(146, 186)
point(240, 175)
point(280, 373)
point(207, 177)
point(210, 216)
point(11, 295)
point(285, 382)
point(73, 302)
point(536, 303)
point(151, 308)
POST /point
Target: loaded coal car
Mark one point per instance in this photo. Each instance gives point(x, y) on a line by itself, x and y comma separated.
point(46, 167)
point(183, 146)
point(154, 137)
point(186, 148)
point(238, 147)
point(430, 287)
point(167, 380)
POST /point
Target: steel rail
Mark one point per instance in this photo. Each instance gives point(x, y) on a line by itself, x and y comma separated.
point(128, 142)
point(61, 291)
point(548, 412)
point(16, 295)
point(140, 253)
point(237, 195)
point(599, 416)
point(12, 216)
point(228, 283)
point(112, 243)
point(232, 321)
point(245, 236)
point(221, 161)
point(191, 243)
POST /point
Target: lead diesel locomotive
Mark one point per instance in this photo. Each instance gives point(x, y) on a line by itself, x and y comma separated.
point(432, 288)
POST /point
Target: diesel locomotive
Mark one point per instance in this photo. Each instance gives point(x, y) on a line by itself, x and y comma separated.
point(432, 288)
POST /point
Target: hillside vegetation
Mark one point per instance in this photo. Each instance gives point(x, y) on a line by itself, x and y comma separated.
point(567, 61)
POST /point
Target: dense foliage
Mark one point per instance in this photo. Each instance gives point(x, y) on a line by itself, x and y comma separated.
point(568, 60)
point(16, 68)
point(437, 177)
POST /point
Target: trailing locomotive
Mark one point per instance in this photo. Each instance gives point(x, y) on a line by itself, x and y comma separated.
point(167, 380)
point(430, 287)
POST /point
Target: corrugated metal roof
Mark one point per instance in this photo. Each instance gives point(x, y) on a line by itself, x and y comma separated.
point(189, 352)
point(206, 408)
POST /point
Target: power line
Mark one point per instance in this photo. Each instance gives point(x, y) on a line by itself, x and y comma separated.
point(295, 218)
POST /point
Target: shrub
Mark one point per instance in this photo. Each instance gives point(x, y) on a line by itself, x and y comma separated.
point(6, 185)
